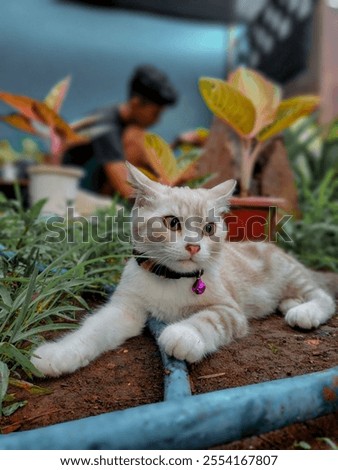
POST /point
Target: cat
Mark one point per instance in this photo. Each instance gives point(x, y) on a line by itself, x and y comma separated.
point(185, 274)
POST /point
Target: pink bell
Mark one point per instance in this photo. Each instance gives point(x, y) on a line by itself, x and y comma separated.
point(198, 286)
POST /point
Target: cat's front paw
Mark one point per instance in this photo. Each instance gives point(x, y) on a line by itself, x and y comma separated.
point(182, 342)
point(303, 316)
point(53, 360)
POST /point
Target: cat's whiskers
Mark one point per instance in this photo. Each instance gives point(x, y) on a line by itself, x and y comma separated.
point(208, 263)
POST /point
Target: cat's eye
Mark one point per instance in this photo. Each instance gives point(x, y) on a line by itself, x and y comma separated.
point(172, 222)
point(209, 228)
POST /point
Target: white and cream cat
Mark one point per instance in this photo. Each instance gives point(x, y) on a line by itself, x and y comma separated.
point(186, 275)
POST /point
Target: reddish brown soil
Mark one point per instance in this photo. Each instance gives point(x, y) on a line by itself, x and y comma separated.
point(133, 375)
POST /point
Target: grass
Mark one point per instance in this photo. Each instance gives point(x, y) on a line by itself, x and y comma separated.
point(306, 446)
point(313, 153)
point(44, 275)
point(315, 236)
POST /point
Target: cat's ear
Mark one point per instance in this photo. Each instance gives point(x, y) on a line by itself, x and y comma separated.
point(221, 195)
point(146, 190)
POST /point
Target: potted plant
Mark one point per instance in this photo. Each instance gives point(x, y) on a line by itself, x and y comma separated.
point(171, 169)
point(251, 105)
point(49, 180)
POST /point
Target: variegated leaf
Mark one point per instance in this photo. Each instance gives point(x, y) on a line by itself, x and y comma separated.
point(161, 158)
point(19, 122)
point(57, 94)
point(228, 104)
point(264, 95)
point(288, 112)
point(21, 103)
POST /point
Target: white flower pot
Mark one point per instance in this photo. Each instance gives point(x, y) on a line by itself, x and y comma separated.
point(9, 172)
point(58, 184)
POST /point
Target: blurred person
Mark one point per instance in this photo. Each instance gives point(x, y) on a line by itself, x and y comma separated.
point(116, 133)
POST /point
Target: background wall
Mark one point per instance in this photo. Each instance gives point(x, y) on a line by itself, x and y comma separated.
point(42, 41)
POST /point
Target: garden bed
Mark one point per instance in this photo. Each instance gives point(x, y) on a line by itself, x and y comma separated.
point(133, 375)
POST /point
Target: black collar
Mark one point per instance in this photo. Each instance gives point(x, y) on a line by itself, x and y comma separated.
point(160, 269)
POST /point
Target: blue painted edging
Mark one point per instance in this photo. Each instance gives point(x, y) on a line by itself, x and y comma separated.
point(195, 422)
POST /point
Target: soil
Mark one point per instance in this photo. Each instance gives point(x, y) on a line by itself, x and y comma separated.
point(133, 375)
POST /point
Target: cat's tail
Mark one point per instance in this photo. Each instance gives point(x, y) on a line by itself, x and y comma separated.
point(327, 281)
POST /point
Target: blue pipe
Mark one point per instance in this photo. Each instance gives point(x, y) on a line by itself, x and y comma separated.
point(196, 422)
point(8, 254)
point(176, 376)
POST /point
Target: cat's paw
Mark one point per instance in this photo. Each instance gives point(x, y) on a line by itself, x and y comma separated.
point(304, 316)
point(53, 360)
point(182, 342)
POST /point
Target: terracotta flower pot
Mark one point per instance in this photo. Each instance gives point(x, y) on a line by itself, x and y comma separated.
point(252, 218)
point(58, 184)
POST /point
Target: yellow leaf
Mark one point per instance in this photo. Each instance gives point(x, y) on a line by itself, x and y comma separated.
point(148, 173)
point(19, 121)
point(34, 110)
point(161, 158)
point(288, 112)
point(50, 118)
point(57, 94)
point(264, 95)
point(7, 153)
point(202, 132)
point(21, 103)
point(228, 104)
point(29, 387)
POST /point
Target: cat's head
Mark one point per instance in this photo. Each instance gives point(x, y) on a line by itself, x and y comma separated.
point(179, 227)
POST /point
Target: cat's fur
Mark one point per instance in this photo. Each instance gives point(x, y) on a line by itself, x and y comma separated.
point(244, 280)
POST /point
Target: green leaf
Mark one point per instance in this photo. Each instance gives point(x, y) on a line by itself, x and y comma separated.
point(6, 296)
point(35, 210)
point(333, 132)
point(4, 377)
point(329, 442)
point(23, 310)
point(201, 180)
point(31, 388)
point(302, 445)
point(228, 104)
point(45, 328)
point(10, 351)
point(188, 158)
point(10, 409)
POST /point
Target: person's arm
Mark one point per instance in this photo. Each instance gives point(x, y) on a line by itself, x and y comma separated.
point(134, 146)
point(117, 174)
point(135, 153)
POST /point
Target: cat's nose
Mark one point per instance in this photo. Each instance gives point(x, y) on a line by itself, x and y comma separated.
point(193, 249)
